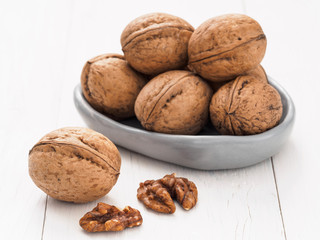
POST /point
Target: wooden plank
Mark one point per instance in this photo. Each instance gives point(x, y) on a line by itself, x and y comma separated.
point(234, 204)
point(32, 48)
point(293, 31)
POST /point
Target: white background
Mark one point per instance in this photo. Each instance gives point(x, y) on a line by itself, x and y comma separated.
point(43, 46)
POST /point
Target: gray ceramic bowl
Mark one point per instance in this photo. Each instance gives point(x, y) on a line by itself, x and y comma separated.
point(208, 150)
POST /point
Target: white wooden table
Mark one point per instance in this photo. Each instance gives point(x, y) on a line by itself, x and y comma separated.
point(43, 46)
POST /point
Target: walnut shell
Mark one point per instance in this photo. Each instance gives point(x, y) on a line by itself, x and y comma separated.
point(227, 46)
point(174, 102)
point(156, 42)
point(74, 164)
point(216, 85)
point(111, 86)
point(245, 106)
point(257, 73)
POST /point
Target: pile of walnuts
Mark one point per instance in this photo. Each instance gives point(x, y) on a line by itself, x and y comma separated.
point(172, 77)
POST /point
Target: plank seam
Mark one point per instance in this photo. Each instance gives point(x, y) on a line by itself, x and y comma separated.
point(59, 102)
point(278, 197)
point(44, 217)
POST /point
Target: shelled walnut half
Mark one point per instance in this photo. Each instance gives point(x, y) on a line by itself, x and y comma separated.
point(158, 194)
point(105, 217)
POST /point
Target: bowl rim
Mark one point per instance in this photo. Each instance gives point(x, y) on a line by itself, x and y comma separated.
point(288, 119)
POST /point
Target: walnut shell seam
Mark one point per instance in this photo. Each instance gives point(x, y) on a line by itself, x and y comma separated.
point(260, 37)
point(176, 82)
point(93, 60)
point(155, 29)
point(72, 145)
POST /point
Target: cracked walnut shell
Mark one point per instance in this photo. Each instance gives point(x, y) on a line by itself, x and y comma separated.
point(226, 46)
point(245, 106)
point(156, 42)
point(111, 86)
point(174, 102)
point(105, 218)
point(158, 194)
point(74, 164)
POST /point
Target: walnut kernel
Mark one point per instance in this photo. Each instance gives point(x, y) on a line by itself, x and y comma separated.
point(158, 194)
point(105, 217)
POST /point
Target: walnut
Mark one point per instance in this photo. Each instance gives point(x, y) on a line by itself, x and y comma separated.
point(174, 102)
point(111, 86)
point(216, 85)
point(105, 217)
point(226, 46)
point(186, 193)
point(156, 42)
point(258, 72)
point(245, 106)
point(74, 164)
point(158, 194)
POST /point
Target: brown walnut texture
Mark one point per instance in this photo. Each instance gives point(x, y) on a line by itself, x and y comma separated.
point(226, 46)
point(111, 86)
point(174, 102)
point(258, 73)
point(156, 42)
point(158, 194)
point(74, 164)
point(105, 218)
point(245, 106)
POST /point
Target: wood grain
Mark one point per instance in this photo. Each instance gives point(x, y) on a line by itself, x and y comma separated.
point(293, 49)
point(31, 59)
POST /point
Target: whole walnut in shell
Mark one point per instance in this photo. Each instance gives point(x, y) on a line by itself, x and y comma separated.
point(245, 106)
point(258, 73)
point(174, 102)
point(111, 86)
point(156, 42)
point(225, 47)
point(74, 164)
point(216, 85)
